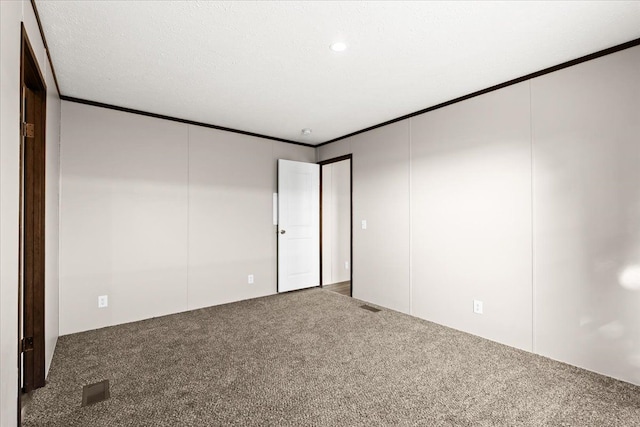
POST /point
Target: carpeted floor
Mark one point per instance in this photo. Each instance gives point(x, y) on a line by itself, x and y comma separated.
point(315, 358)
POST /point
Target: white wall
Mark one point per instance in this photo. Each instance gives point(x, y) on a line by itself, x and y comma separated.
point(52, 218)
point(230, 217)
point(536, 180)
point(123, 228)
point(162, 216)
point(336, 222)
point(381, 257)
point(11, 14)
point(471, 215)
point(586, 151)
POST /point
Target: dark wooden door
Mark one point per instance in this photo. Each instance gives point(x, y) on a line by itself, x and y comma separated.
point(32, 239)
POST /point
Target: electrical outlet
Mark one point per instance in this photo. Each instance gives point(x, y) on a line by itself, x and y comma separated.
point(103, 301)
point(364, 224)
point(346, 265)
point(477, 306)
point(250, 279)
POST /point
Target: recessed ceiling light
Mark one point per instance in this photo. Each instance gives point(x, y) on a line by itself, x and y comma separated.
point(338, 46)
point(306, 132)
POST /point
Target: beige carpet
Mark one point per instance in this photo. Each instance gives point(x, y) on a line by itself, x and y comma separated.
point(315, 358)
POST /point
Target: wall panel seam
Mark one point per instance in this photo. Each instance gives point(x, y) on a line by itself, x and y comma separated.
point(59, 210)
point(410, 221)
point(188, 209)
point(533, 258)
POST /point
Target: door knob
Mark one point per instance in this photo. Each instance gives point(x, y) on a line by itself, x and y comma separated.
point(282, 231)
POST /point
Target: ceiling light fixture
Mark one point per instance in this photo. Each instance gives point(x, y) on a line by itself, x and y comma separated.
point(338, 47)
point(306, 132)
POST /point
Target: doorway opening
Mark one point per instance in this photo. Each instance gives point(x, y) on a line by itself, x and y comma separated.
point(31, 343)
point(336, 219)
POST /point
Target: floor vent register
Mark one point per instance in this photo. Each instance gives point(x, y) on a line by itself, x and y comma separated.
point(94, 393)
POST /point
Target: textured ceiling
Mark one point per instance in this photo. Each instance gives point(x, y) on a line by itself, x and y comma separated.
point(266, 67)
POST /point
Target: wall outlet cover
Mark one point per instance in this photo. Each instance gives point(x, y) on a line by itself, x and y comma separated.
point(477, 307)
point(103, 301)
point(250, 279)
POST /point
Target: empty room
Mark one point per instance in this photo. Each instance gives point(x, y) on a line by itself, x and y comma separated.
point(319, 213)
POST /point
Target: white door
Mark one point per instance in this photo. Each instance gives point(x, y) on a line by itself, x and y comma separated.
point(298, 225)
